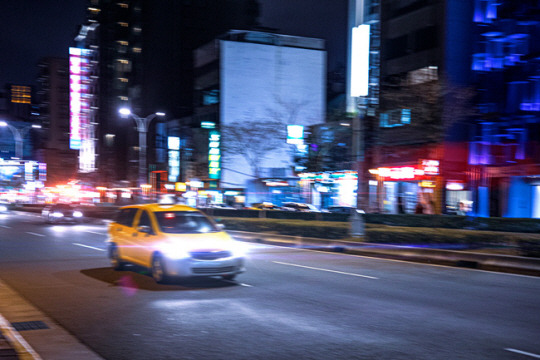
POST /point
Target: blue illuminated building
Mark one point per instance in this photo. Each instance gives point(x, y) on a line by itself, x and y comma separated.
point(504, 148)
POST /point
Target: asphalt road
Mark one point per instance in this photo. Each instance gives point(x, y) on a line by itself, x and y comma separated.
point(290, 304)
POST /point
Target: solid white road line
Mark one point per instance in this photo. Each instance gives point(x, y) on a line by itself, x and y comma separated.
point(36, 234)
point(332, 271)
point(5, 227)
point(89, 247)
point(536, 356)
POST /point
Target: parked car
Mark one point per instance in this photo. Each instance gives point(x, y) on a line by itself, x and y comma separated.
point(62, 213)
point(293, 206)
point(173, 241)
point(344, 210)
point(264, 206)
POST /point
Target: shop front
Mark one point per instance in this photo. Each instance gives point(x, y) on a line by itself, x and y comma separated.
point(407, 189)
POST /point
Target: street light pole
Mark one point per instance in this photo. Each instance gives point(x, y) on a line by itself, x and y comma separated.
point(18, 135)
point(142, 127)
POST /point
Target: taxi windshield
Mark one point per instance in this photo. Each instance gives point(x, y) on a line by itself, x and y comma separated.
point(184, 222)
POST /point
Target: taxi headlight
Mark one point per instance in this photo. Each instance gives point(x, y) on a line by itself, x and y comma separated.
point(3, 208)
point(239, 249)
point(57, 214)
point(174, 251)
point(77, 214)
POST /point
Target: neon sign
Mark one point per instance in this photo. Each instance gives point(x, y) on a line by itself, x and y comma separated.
point(214, 155)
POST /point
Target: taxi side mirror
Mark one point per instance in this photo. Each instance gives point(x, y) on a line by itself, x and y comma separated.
point(145, 229)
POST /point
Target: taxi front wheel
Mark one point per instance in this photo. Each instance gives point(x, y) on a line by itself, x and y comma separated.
point(158, 270)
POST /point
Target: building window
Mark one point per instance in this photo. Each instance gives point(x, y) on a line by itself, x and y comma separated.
point(123, 5)
point(123, 24)
point(137, 50)
point(395, 118)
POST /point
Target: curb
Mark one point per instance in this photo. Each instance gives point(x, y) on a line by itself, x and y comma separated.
point(472, 260)
point(14, 346)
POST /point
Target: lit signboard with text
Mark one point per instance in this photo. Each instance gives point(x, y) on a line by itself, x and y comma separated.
point(360, 61)
point(81, 129)
point(173, 145)
point(214, 155)
point(417, 172)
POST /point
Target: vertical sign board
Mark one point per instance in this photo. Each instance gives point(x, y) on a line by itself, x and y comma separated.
point(360, 61)
point(75, 99)
point(214, 155)
point(173, 145)
point(81, 132)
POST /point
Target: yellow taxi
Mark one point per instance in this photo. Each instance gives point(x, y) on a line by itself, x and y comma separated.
point(173, 241)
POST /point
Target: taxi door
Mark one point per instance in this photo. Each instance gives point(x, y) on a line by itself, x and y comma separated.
point(120, 231)
point(143, 238)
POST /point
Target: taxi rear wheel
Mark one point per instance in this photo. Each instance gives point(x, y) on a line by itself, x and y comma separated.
point(116, 260)
point(158, 270)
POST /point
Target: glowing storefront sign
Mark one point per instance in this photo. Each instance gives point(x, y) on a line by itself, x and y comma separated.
point(430, 167)
point(295, 134)
point(414, 172)
point(214, 155)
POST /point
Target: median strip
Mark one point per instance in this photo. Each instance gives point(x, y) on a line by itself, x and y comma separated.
point(327, 270)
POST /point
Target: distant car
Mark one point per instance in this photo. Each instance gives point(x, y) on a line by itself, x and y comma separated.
point(221, 206)
point(173, 241)
point(264, 206)
point(4, 207)
point(62, 213)
point(344, 210)
point(292, 206)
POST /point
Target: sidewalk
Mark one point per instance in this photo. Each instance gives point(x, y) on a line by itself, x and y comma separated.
point(28, 334)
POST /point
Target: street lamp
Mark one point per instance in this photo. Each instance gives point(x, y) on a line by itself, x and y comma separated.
point(142, 128)
point(19, 135)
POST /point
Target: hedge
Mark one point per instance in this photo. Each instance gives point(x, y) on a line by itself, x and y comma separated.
point(527, 243)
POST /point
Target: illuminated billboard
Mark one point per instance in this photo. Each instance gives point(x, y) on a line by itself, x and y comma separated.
point(267, 83)
point(81, 130)
point(360, 61)
point(214, 155)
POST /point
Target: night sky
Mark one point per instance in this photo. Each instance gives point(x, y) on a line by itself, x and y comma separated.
point(32, 29)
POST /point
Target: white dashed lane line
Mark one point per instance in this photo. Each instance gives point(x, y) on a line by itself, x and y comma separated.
point(5, 227)
point(327, 270)
point(89, 247)
point(35, 234)
point(95, 233)
point(536, 356)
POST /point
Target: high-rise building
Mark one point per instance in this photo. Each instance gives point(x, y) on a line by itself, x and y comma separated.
point(256, 92)
point(143, 53)
point(53, 102)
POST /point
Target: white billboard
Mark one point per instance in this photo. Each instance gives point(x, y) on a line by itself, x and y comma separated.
point(268, 87)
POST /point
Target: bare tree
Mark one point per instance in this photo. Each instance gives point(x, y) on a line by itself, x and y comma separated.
point(253, 140)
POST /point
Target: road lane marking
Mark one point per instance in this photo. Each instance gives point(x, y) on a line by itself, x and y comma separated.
point(237, 283)
point(36, 234)
point(6, 227)
point(90, 247)
point(96, 233)
point(536, 356)
point(332, 271)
